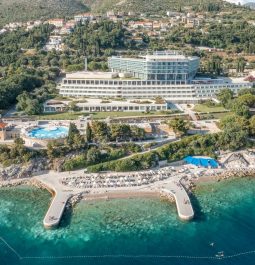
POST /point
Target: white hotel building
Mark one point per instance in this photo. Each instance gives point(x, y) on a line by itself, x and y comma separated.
point(169, 75)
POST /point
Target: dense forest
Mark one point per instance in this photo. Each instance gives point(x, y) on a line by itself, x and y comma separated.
point(97, 42)
point(24, 66)
point(13, 44)
point(21, 53)
point(99, 39)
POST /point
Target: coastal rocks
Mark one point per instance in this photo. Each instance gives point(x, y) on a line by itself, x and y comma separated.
point(231, 173)
point(167, 197)
point(37, 184)
point(20, 171)
point(74, 200)
point(14, 183)
point(14, 172)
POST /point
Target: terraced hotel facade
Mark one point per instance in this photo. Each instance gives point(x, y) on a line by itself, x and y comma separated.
point(169, 75)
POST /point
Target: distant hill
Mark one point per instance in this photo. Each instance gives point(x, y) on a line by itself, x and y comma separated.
point(242, 2)
point(24, 10)
point(250, 5)
point(152, 6)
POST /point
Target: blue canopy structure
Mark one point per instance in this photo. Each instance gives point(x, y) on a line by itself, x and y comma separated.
point(201, 161)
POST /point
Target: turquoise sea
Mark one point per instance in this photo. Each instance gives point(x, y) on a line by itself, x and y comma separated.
point(142, 231)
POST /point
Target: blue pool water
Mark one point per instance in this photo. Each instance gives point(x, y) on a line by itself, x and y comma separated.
point(46, 133)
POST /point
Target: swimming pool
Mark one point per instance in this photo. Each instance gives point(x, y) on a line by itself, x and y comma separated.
point(48, 133)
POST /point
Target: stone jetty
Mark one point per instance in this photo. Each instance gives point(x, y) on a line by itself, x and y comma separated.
point(61, 196)
point(182, 200)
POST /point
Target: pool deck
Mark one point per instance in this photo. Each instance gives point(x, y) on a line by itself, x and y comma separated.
point(52, 181)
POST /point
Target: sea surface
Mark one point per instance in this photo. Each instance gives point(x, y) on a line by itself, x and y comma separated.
point(142, 231)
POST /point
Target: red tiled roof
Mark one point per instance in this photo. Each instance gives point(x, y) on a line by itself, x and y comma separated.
point(3, 125)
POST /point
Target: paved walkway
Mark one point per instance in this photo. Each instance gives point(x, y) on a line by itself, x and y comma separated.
point(189, 111)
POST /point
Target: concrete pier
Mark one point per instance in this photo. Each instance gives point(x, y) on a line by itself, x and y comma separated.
point(56, 209)
point(182, 200)
point(61, 196)
point(62, 193)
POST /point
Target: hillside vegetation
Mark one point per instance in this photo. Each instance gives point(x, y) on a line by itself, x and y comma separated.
point(24, 10)
point(154, 6)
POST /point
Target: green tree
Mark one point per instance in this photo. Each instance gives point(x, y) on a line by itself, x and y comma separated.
point(22, 101)
point(100, 131)
point(93, 156)
point(244, 91)
point(137, 133)
point(179, 126)
point(89, 133)
point(72, 106)
point(252, 125)
point(225, 96)
point(34, 107)
point(28, 105)
point(78, 141)
point(247, 99)
point(18, 149)
point(234, 137)
point(226, 121)
point(120, 132)
point(72, 133)
point(239, 108)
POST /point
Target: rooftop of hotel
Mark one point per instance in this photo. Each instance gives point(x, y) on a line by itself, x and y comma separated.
point(161, 55)
point(224, 80)
point(92, 75)
point(106, 102)
point(116, 76)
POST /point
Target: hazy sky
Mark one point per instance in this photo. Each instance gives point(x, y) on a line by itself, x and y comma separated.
point(240, 1)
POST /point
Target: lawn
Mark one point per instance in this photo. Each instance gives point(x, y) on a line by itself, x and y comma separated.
point(214, 115)
point(95, 115)
point(60, 116)
point(103, 115)
point(207, 109)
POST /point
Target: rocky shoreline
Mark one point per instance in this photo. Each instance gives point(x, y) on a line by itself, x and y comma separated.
point(226, 174)
point(23, 171)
